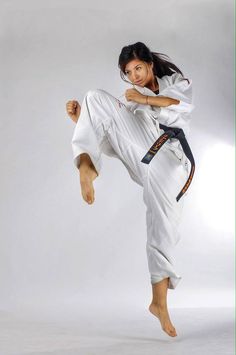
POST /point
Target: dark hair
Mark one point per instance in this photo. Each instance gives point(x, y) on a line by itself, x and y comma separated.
point(139, 50)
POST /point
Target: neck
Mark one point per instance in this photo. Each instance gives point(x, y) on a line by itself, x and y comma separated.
point(153, 85)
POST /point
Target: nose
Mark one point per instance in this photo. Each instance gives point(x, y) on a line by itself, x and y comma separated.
point(136, 77)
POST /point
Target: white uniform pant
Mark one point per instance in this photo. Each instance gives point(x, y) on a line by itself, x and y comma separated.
point(107, 126)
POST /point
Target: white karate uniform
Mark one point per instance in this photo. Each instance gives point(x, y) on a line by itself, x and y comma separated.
point(126, 130)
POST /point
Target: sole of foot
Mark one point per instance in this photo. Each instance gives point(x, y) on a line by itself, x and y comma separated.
point(87, 175)
point(163, 316)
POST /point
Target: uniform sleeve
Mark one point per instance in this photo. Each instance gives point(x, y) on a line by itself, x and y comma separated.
point(180, 89)
point(176, 115)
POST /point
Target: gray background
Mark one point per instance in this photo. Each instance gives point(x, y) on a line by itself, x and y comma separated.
point(58, 253)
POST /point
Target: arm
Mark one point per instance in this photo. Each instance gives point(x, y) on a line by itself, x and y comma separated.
point(179, 94)
point(177, 114)
point(161, 101)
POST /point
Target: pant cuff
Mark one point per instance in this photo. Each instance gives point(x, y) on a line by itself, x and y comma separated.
point(173, 280)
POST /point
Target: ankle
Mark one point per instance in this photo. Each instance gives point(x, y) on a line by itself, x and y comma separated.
point(86, 163)
point(159, 305)
point(85, 159)
point(84, 166)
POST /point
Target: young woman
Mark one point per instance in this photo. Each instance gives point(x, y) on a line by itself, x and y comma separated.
point(126, 129)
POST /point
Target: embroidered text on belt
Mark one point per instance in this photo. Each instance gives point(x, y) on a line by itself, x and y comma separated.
point(172, 132)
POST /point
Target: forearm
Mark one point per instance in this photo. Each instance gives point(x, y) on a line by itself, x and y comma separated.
point(161, 101)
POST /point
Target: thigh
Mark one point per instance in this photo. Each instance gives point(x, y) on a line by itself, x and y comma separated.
point(124, 134)
point(135, 129)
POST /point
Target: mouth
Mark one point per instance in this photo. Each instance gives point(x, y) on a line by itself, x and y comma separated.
point(138, 82)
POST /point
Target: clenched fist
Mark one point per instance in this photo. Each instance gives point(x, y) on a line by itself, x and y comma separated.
point(73, 110)
point(135, 95)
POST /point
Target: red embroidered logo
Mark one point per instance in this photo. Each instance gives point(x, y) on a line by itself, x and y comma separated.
point(120, 103)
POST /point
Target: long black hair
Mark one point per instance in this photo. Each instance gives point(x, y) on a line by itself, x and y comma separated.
point(139, 50)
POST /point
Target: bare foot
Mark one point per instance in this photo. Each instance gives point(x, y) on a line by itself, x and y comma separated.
point(87, 175)
point(162, 314)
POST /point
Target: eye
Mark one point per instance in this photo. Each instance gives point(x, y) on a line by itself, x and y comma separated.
point(127, 72)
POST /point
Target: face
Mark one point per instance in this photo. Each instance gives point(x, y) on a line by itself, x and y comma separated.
point(139, 72)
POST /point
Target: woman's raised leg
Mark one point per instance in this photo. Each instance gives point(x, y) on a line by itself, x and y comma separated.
point(106, 126)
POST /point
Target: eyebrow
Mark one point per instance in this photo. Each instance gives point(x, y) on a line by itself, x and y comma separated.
point(134, 67)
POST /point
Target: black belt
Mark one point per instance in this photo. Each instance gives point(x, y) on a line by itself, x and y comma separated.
point(172, 132)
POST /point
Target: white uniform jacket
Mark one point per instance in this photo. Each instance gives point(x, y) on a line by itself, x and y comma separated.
point(176, 87)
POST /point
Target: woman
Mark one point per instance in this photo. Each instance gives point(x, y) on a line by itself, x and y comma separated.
point(126, 129)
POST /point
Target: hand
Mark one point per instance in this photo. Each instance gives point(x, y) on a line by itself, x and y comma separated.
point(73, 110)
point(135, 95)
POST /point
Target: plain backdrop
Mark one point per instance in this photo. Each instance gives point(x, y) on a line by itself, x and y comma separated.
point(56, 251)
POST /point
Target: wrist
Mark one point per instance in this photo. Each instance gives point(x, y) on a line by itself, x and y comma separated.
point(145, 100)
point(78, 114)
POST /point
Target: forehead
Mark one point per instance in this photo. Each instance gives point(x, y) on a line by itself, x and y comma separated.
point(132, 64)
